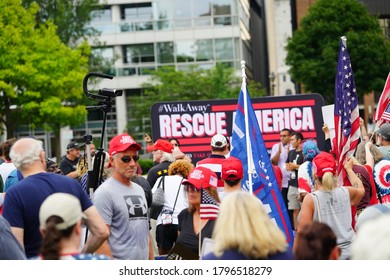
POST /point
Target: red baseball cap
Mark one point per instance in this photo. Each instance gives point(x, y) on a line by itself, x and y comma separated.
point(232, 169)
point(121, 143)
point(324, 162)
point(163, 145)
point(202, 178)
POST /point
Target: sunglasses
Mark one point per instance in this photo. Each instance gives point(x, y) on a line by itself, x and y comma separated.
point(127, 159)
point(191, 188)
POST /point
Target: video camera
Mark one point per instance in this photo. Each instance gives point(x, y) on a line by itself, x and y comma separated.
point(104, 93)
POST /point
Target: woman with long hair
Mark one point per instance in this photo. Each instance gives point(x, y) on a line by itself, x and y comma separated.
point(244, 231)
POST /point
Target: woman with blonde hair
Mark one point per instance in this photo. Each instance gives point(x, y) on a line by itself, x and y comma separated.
point(331, 204)
point(244, 231)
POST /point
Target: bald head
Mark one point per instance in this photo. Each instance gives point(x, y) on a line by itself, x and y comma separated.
point(26, 151)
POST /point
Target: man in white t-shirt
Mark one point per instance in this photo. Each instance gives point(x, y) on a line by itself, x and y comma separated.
point(278, 157)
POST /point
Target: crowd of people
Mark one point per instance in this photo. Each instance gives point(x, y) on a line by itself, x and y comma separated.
point(47, 211)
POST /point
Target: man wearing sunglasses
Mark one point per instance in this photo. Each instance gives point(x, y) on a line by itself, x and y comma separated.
point(122, 203)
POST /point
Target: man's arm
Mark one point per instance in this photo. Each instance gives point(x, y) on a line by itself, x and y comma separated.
point(105, 248)
point(275, 158)
point(18, 233)
point(151, 253)
point(99, 231)
point(73, 174)
point(357, 190)
point(306, 214)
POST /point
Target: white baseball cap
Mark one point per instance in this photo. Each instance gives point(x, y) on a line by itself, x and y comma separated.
point(218, 141)
point(63, 205)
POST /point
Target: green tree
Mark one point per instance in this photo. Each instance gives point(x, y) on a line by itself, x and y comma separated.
point(168, 84)
point(40, 77)
point(313, 49)
point(71, 17)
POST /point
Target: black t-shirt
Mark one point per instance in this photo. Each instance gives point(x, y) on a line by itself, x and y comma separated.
point(68, 165)
point(292, 156)
point(187, 236)
point(160, 169)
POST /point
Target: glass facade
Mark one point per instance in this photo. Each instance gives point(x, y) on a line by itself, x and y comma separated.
point(166, 15)
point(205, 52)
point(169, 15)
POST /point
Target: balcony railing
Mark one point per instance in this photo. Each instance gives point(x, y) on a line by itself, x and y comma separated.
point(163, 24)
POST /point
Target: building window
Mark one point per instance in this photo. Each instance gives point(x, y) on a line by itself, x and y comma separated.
point(101, 15)
point(107, 53)
point(385, 25)
point(185, 51)
point(222, 10)
point(204, 50)
point(224, 49)
point(135, 54)
point(165, 52)
point(138, 17)
point(139, 11)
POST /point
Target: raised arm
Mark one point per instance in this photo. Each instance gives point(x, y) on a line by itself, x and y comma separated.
point(356, 192)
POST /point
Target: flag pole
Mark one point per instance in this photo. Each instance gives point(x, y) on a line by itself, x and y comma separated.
point(247, 132)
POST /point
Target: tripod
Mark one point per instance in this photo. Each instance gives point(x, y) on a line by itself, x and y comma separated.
point(106, 97)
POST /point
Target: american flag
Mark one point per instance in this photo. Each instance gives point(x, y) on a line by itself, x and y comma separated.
point(386, 113)
point(383, 104)
point(209, 208)
point(346, 111)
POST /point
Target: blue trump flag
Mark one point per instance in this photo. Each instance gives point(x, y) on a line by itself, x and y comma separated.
point(262, 183)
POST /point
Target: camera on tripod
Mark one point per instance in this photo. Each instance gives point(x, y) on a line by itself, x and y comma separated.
point(104, 94)
point(110, 92)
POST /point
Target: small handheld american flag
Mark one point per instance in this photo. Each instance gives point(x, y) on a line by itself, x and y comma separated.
point(209, 208)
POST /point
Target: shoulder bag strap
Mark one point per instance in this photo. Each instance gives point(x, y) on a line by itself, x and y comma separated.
point(161, 182)
point(178, 190)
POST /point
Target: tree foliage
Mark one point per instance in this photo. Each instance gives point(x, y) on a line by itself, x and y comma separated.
point(71, 17)
point(40, 77)
point(168, 84)
point(313, 49)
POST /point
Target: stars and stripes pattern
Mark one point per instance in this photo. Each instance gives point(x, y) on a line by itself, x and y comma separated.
point(346, 111)
point(209, 208)
point(386, 114)
point(383, 110)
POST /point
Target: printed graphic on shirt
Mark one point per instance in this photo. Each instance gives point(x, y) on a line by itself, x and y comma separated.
point(136, 206)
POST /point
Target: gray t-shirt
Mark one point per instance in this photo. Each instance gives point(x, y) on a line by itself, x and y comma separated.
point(385, 151)
point(335, 211)
point(125, 210)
